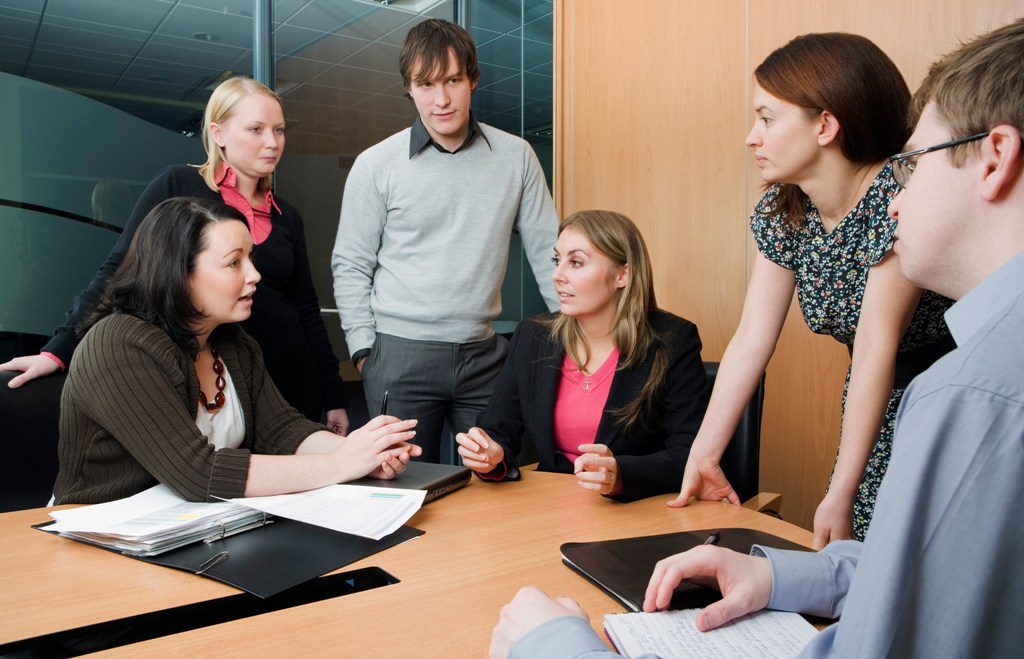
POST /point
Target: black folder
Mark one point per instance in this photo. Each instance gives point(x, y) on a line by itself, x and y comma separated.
point(272, 558)
point(622, 568)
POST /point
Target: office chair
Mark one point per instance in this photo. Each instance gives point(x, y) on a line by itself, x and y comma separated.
point(30, 416)
point(741, 460)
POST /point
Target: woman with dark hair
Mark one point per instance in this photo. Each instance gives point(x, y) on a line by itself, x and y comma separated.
point(243, 135)
point(829, 109)
point(612, 389)
point(166, 387)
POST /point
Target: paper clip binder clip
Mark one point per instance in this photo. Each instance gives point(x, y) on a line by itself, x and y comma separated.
point(213, 560)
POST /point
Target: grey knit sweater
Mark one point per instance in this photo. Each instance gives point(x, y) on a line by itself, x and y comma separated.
point(128, 416)
point(423, 242)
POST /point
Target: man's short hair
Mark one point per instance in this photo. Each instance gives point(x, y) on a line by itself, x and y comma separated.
point(977, 87)
point(427, 46)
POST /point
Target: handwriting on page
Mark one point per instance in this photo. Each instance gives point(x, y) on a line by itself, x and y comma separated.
point(672, 635)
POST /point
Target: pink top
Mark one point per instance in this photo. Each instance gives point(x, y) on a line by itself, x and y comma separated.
point(258, 217)
point(580, 405)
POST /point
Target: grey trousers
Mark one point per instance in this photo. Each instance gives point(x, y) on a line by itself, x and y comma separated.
point(433, 382)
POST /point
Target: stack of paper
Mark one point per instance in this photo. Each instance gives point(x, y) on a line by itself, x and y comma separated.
point(159, 520)
point(154, 521)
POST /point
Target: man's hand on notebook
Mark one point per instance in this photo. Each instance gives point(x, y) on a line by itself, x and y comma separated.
point(745, 582)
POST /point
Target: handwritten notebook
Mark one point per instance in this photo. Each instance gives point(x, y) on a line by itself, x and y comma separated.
point(673, 635)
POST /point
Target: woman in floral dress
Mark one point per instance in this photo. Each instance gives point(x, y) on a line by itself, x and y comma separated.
point(829, 109)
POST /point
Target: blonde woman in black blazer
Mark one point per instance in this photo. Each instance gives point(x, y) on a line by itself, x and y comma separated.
point(657, 393)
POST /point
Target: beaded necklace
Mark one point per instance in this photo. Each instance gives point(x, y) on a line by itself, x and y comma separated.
point(218, 400)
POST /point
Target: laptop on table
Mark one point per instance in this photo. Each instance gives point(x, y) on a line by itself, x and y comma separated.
point(437, 480)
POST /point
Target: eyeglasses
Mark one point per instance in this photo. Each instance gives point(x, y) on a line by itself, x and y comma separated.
point(903, 164)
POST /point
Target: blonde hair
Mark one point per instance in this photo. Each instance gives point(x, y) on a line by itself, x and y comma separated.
point(218, 110)
point(615, 236)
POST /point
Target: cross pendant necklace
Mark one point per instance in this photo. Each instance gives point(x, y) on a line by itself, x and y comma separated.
point(586, 384)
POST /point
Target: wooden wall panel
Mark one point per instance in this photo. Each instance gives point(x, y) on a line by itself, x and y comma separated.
point(651, 109)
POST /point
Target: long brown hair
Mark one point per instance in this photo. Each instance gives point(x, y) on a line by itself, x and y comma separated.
point(851, 78)
point(615, 236)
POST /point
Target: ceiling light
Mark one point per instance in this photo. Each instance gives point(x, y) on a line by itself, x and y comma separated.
point(205, 36)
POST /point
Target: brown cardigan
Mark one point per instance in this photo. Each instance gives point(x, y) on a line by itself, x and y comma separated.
point(128, 416)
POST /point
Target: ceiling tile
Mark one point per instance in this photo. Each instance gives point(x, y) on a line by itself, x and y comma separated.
point(537, 87)
point(144, 15)
point(100, 42)
point(331, 48)
point(387, 104)
point(236, 7)
point(498, 15)
point(541, 30)
point(376, 56)
point(328, 17)
point(503, 51)
point(495, 102)
point(148, 72)
point(227, 29)
point(350, 77)
point(173, 50)
point(510, 85)
point(331, 96)
point(298, 69)
point(337, 60)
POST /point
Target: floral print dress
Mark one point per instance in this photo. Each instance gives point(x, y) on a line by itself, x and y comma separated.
point(831, 269)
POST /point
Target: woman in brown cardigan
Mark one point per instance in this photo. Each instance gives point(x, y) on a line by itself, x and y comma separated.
point(165, 387)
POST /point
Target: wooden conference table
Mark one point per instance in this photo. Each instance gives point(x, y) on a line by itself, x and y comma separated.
point(482, 543)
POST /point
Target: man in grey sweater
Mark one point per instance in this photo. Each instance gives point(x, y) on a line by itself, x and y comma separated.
point(423, 241)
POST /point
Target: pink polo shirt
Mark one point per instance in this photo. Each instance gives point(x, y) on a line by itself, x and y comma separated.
point(258, 217)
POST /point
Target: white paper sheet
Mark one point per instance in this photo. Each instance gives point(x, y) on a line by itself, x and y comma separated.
point(371, 512)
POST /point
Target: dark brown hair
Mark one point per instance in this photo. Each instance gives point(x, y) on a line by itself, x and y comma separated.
point(152, 282)
point(851, 78)
point(426, 49)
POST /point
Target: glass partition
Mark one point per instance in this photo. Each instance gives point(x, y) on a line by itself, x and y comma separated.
point(100, 95)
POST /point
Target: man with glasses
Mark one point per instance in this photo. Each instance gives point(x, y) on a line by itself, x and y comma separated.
point(939, 573)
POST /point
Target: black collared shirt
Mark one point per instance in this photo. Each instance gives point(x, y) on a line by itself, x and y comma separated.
point(419, 137)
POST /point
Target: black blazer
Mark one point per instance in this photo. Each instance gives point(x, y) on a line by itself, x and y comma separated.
point(652, 454)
